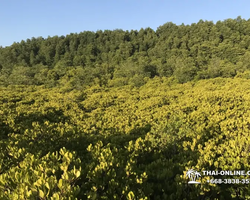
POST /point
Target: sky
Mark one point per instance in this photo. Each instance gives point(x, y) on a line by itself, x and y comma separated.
point(23, 19)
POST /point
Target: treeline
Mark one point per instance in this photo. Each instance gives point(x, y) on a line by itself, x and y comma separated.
point(112, 58)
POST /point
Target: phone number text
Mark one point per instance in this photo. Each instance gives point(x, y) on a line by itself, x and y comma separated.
point(229, 181)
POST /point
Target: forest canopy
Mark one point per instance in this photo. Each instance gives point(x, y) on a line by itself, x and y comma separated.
point(201, 50)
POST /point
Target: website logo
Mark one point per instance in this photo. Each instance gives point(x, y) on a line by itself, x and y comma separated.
point(193, 175)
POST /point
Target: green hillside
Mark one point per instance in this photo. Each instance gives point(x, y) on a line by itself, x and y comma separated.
point(125, 115)
point(201, 50)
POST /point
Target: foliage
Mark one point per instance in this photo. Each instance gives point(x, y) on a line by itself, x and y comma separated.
point(124, 114)
point(123, 142)
point(189, 52)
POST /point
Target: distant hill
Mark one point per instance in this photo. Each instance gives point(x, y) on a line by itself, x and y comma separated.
point(201, 50)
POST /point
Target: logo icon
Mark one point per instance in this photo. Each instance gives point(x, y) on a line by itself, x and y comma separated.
point(193, 175)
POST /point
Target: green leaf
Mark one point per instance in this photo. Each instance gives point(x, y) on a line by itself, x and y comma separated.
point(47, 185)
point(60, 183)
point(56, 196)
point(41, 194)
point(78, 173)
